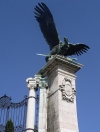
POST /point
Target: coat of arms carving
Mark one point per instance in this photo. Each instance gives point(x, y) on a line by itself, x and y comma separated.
point(67, 90)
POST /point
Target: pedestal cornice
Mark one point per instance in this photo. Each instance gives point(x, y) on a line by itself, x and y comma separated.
point(62, 61)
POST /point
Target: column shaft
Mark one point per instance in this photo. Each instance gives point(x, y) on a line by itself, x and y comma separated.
point(30, 111)
point(42, 127)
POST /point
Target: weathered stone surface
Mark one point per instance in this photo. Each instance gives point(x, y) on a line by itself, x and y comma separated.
point(61, 113)
point(42, 125)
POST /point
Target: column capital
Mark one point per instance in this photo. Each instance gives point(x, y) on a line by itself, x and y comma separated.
point(31, 83)
point(43, 83)
point(37, 81)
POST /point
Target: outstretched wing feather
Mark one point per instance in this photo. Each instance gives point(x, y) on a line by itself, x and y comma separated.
point(77, 49)
point(47, 25)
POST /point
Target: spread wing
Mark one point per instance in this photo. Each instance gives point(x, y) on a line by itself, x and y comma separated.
point(47, 25)
point(77, 49)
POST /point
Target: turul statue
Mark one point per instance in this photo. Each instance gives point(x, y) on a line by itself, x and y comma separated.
point(48, 28)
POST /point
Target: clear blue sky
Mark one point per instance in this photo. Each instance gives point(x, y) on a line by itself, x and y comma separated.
point(21, 39)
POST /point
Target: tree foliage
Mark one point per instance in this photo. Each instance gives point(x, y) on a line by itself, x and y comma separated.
point(9, 126)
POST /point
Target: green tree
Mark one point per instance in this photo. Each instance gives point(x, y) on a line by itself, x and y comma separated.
point(9, 126)
point(36, 128)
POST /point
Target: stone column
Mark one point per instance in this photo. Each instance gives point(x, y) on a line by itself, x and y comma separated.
point(61, 111)
point(32, 85)
point(42, 125)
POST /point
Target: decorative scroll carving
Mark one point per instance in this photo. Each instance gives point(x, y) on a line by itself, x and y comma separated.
point(32, 86)
point(43, 84)
point(37, 81)
point(67, 91)
point(32, 83)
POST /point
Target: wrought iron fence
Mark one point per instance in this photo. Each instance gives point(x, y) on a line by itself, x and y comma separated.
point(17, 113)
point(14, 111)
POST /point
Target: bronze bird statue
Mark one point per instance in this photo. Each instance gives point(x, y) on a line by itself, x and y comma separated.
point(48, 28)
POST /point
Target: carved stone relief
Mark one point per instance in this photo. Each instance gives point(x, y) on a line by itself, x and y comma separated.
point(68, 92)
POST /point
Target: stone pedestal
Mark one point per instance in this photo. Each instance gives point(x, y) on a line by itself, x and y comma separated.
point(61, 110)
